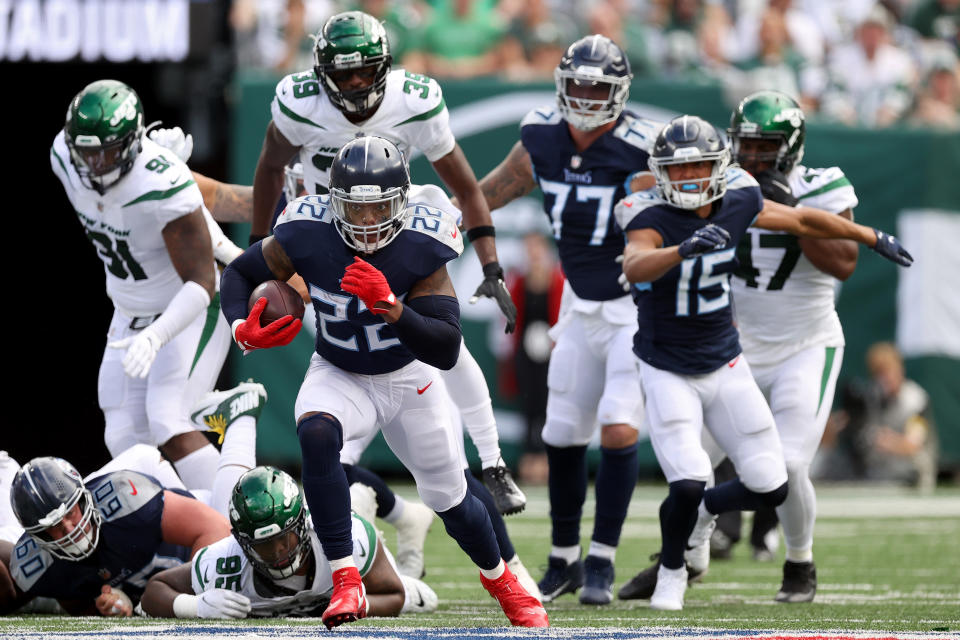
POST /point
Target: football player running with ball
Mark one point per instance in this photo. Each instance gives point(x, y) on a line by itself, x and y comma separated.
point(352, 91)
point(373, 255)
point(581, 152)
point(682, 239)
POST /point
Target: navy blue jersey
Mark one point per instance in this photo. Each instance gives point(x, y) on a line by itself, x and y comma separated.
point(129, 551)
point(348, 335)
point(580, 190)
point(685, 319)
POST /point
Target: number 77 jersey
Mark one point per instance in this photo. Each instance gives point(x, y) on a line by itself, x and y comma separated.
point(125, 224)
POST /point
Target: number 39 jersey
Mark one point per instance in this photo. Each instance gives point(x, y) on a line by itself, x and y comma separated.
point(580, 190)
point(412, 115)
point(223, 565)
point(349, 336)
point(685, 320)
point(125, 224)
point(783, 302)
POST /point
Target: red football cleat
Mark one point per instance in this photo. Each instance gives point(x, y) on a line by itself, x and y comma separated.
point(349, 599)
point(521, 608)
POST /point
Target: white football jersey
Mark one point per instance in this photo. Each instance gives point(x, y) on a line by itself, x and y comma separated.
point(125, 224)
point(412, 115)
point(784, 303)
point(223, 565)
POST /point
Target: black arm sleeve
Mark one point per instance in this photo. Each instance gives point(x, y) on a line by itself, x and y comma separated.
point(239, 280)
point(430, 327)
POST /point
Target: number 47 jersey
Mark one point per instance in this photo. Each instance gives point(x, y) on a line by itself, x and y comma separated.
point(125, 224)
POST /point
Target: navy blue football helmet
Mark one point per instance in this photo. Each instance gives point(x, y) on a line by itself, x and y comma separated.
point(369, 181)
point(683, 140)
point(42, 494)
point(592, 61)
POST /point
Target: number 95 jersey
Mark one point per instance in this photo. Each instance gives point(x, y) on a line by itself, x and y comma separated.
point(412, 115)
point(125, 224)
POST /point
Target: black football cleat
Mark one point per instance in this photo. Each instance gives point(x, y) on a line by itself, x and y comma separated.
point(598, 581)
point(506, 494)
point(799, 582)
point(560, 578)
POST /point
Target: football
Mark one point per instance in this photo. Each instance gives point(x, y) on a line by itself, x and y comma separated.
point(282, 300)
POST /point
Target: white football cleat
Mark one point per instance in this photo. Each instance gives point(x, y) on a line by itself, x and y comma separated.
point(697, 555)
point(418, 596)
point(671, 585)
point(363, 501)
point(218, 409)
point(523, 577)
point(412, 528)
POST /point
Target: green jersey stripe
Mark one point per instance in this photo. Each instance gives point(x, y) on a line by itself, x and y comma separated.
point(213, 315)
point(160, 195)
point(372, 541)
point(830, 186)
point(825, 376)
point(297, 118)
point(62, 166)
point(196, 567)
point(429, 114)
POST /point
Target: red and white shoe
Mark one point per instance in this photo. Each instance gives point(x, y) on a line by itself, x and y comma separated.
point(349, 600)
point(522, 609)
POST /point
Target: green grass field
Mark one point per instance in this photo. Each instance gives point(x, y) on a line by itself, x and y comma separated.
point(887, 560)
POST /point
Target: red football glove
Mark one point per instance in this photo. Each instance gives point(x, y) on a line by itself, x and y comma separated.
point(365, 281)
point(250, 335)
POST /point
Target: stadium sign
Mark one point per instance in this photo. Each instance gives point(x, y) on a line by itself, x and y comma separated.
point(91, 30)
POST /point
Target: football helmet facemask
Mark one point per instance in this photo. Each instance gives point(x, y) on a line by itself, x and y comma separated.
point(768, 115)
point(104, 131)
point(43, 492)
point(593, 61)
point(352, 42)
point(683, 140)
point(293, 180)
point(266, 507)
point(369, 181)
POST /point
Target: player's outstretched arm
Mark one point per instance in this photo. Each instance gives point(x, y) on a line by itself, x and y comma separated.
point(268, 180)
point(834, 257)
point(646, 260)
point(163, 588)
point(226, 202)
point(384, 587)
point(807, 221)
point(191, 523)
point(169, 594)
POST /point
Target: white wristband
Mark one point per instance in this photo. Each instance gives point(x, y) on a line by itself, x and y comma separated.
point(189, 302)
point(185, 606)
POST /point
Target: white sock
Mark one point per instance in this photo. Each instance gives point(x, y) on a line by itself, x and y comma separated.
point(600, 550)
point(496, 572)
point(569, 554)
point(237, 456)
point(397, 512)
point(342, 563)
point(468, 389)
point(800, 555)
point(198, 468)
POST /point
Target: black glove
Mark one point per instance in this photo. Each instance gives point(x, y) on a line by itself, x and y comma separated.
point(704, 240)
point(776, 187)
point(493, 287)
point(890, 248)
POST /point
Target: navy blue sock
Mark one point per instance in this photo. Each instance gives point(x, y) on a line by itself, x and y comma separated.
point(386, 498)
point(734, 495)
point(567, 484)
point(469, 524)
point(325, 483)
point(616, 479)
point(678, 514)
point(478, 489)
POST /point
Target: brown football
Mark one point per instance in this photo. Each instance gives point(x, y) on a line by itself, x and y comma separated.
point(282, 300)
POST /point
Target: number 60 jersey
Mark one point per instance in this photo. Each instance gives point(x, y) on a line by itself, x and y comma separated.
point(125, 224)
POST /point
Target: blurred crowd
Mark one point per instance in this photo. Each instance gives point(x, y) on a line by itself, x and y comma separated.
point(860, 62)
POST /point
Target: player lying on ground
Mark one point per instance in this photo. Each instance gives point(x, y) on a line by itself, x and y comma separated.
point(273, 565)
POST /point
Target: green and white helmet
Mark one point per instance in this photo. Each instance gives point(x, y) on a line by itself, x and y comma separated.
point(769, 115)
point(349, 41)
point(267, 504)
point(103, 131)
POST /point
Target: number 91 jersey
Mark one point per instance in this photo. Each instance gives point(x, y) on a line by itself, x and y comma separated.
point(126, 223)
point(412, 115)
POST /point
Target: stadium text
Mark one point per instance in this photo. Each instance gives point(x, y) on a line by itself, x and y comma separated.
point(113, 30)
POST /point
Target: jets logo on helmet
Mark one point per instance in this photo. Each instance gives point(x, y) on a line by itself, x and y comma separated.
point(684, 140)
point(592, 62)
point(368, 193)
point(103, 131)
point(773, 117)
point(353, 41)
point(268, 518)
